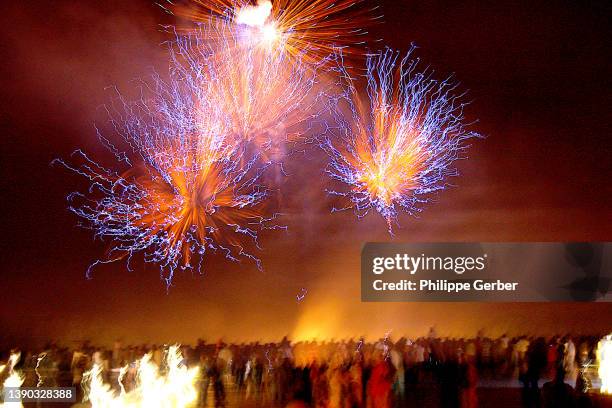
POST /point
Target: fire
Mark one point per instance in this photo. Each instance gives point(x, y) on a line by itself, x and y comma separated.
point(14, 379)
point(604, 357)
point(174, 388)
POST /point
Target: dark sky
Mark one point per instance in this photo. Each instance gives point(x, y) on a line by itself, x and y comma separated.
point(538, 76)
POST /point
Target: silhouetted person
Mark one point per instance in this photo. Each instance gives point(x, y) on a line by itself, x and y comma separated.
point(558, 394)
point(583, 384)
point(219, 391)
point(530, 375)
point(451, 378)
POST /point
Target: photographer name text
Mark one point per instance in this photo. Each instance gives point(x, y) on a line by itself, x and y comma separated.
point(457, 265)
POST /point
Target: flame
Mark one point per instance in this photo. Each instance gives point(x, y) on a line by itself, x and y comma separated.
point(604, 357)
point(174, 388)
point(14, 380)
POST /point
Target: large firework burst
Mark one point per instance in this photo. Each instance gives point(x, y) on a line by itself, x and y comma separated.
point(187, 186)
point(393, 150)
point(308, 29)
point(260, 97)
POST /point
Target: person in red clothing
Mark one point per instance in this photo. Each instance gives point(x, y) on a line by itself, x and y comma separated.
point(552, 357)
point(469, 396)
point(379, 385)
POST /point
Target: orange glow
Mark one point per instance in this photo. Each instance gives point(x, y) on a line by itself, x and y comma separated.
point(174, 386)
point(317, 323)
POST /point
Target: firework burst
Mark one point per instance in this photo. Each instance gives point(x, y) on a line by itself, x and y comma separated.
point(395, 149)
point(260, 98)
point(188, 187)
point(309, 30)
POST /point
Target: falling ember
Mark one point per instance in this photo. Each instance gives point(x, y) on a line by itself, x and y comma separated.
point(394, 150)
point(175, 387)
point(302, 294)
point(604, 358)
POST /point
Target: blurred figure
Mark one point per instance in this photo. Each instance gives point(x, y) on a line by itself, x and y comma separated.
point(204, 379)
point(216, 379)
point(531, 371)
point(338, 385)
point(77, 367)
point(356, 382)
point(569, 359)
point(379, 384)
point(558, 394)
point(320, 391)
point(469, 395)
point(396, 356)
point(439, 372)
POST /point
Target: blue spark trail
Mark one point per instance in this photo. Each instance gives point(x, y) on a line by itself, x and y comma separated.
point(392, 151)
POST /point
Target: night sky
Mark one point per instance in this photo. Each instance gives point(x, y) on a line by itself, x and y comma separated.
point(538, 78)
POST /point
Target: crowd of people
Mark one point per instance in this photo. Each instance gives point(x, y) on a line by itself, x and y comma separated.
point(429, 371)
